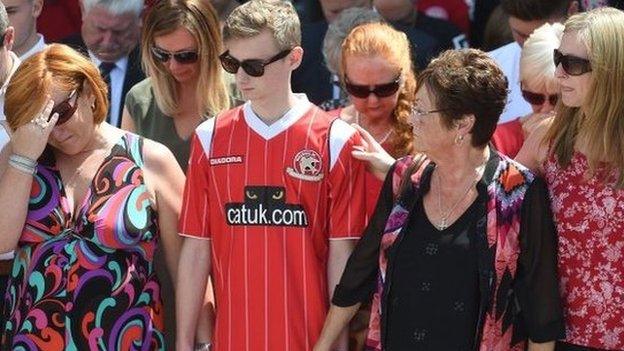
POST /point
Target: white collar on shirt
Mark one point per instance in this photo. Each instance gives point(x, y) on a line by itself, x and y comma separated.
point(288, 119)
point(39, 46)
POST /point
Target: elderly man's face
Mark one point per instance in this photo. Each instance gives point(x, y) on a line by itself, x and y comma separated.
point(332, 8)
point(110, 37)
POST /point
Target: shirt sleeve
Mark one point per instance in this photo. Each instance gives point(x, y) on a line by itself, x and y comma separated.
point(194, 217)
point(536, 283)
point(359, 279)
point(347, 193)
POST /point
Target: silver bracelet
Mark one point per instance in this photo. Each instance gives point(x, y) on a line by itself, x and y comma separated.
point(22, 168)
point(28, 162)
point(203, 346)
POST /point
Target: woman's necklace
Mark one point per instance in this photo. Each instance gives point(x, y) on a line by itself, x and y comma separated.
point(444, 223)
point(380, 141)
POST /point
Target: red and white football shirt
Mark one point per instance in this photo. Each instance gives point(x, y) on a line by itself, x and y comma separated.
point(270, 198)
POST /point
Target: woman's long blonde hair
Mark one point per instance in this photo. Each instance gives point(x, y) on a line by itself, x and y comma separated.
point(600, 120)
point(380, 39)
point(201, 20)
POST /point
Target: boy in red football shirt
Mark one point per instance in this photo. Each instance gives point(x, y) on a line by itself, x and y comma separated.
point(273, 201)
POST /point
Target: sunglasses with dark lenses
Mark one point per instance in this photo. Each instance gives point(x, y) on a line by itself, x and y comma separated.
point(539, 99)
point(572, 65)
point(380, 90)
point(183, 57)
point(64, 109)
point(253, 67)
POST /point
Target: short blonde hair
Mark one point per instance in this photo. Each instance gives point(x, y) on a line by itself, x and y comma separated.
point(200, 19)
point(277, 16)
point(537, 68)
point(56, 64)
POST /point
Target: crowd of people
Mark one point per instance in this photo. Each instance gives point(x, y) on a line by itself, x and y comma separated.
point(312, 175)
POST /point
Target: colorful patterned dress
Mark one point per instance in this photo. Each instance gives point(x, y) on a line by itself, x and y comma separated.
point(88, 285)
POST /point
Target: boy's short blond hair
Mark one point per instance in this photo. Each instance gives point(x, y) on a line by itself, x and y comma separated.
point(277, 16)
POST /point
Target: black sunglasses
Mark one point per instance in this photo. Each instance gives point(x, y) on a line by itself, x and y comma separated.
point(572, 65)
point(253, 67)
point(380, 90)
point(64, 109)
point(539, 99)
point(183, 57)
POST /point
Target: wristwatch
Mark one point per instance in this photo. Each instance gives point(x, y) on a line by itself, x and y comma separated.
point(203, 346)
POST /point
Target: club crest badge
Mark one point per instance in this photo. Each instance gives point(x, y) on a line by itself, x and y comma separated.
point(307, 165)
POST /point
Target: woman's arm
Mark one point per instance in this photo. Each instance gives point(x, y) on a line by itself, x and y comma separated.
point(535, 150)
point(537, 283)
point(359, 278)
point(335, 322)
point(126, 121)
point(165, 179)
point(28, 141)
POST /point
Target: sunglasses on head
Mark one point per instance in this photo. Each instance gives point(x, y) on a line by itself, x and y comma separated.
point(64, 109)
point(253, 67)
point(380, 90)
point(539, 99)
point(183, 57)
point(572, 65)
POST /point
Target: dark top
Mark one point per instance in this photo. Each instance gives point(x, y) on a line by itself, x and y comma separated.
point(447, 34)
point(151, 122)
point(435, 297)
point(534, 288)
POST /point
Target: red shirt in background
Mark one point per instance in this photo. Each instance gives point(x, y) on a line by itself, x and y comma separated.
point(454, 11)
point(59, 19)
point(508, 138)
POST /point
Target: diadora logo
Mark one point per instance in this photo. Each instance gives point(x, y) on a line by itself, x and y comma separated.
point(307, 165)
point(215, 161)
point(265, 205)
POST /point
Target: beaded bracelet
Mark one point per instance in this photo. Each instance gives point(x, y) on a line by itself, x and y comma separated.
point(28, 162)
point(22, 168)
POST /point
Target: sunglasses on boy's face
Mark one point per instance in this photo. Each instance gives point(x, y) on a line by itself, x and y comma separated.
point(253, 67)
point(64, 109)
point(182, 57)
point(380, 90)
point(572, 65)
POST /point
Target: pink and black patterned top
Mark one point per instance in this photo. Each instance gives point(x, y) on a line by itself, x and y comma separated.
point(589, 214)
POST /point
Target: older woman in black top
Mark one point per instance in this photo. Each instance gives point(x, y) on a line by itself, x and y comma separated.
point(461, 252)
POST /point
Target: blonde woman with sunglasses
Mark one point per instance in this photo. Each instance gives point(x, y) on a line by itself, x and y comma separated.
point(180, 45)
point(580, 155)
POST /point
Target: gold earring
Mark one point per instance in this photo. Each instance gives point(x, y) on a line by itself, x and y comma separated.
point(459, 139)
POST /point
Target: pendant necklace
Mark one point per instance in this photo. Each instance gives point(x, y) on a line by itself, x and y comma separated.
point(443, 223)
point(380, 141)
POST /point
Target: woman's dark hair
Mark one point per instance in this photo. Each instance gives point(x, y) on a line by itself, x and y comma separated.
point(467, 82)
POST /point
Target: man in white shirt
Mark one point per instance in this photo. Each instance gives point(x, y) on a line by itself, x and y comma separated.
point(110, 35)
point(524, 17)
point(23, 16)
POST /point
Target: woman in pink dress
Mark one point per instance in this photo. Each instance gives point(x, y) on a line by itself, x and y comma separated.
point(581, 155)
